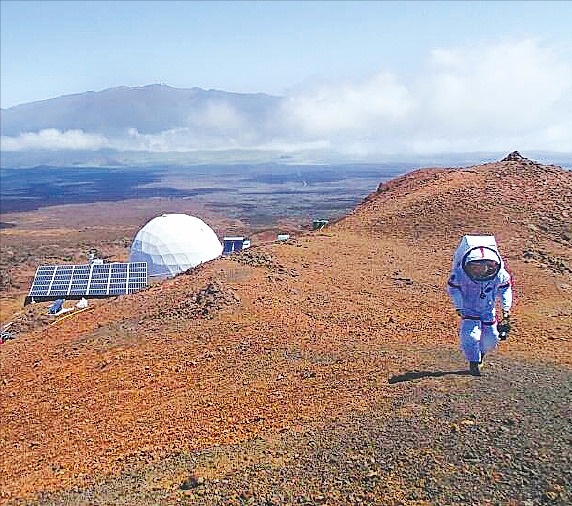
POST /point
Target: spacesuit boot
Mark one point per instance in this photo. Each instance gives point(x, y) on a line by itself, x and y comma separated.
point(474, 369)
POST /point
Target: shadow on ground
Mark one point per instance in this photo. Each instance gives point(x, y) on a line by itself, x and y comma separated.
point(413, 375)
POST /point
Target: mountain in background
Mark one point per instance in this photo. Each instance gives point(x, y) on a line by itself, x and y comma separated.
point(148, 109)
point(158, 124)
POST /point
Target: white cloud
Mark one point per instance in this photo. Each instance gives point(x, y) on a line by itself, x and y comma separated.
point(497, 96)
point(350, 107)
point(488, 97)
point(510, 88)
point(219, 115)
point(52, 139)
point(179, 140)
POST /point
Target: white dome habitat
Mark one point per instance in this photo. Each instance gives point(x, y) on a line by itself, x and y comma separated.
point(173, 243)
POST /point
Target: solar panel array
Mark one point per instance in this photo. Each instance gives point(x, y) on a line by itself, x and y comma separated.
point(95, 280)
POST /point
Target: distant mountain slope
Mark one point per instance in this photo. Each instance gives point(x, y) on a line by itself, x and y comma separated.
point(149, 109)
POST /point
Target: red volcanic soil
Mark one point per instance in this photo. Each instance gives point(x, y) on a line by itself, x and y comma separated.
point(322, 370)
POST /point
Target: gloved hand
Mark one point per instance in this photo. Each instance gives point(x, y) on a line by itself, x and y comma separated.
point(504, 326)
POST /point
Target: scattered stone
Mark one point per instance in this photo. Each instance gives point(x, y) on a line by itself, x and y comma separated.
point(192, 482)
point(209, 300)
point(256, 258)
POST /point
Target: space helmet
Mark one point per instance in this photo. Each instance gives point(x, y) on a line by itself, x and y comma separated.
point(481, 263)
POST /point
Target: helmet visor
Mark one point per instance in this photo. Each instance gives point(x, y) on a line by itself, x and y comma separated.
point(481, 270)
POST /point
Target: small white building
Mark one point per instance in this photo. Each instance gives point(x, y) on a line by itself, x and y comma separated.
point(234, 243)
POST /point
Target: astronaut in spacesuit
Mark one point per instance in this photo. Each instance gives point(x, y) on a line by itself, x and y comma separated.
point(478, 278)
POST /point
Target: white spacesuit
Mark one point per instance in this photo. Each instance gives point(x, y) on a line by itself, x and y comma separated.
point(478, 278)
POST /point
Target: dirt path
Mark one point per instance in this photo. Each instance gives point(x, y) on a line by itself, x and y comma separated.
point(445, 438)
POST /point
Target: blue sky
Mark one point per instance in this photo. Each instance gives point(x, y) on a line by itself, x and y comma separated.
point(346, 55)
point(52, 48)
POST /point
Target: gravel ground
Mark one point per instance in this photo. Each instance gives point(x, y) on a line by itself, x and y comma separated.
point(446, 439)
